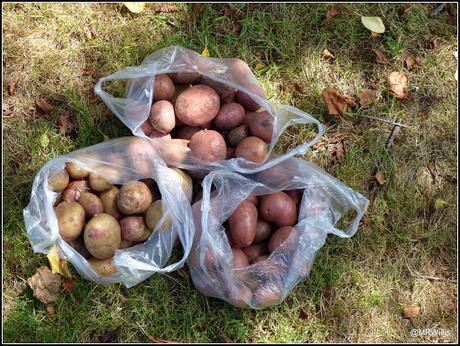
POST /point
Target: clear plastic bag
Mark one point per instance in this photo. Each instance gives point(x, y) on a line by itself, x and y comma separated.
point(325, 201)
point(134, 108)
point(118, 161)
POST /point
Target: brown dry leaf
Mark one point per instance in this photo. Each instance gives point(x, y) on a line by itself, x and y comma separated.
point(45, 285)
point(11, 87)
point(332, 11)
point(398, 85)
point(433, 43)
point(51, 309)
point(380, 177)
point(411, 311)
point(336, 103)
point(224, 338)
point(165, 8)
point(158, 340)
point(295, 88)
point(411, 61)
point(88, 71)
point(44, 105)
point(327, 55)
point(90, 35)
point(367, 97)
point(68, 285)
point(65, 123)
point(380, 57)
point(303, 315)
point(7, 110)
point(337, 147)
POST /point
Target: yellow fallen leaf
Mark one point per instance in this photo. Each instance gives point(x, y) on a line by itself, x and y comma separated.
point(58, 265)
point(380, 177)
point(135, 7)
point(205, 52)
point(374, 24)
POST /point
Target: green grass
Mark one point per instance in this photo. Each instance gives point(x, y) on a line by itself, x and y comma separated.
point(358, 286)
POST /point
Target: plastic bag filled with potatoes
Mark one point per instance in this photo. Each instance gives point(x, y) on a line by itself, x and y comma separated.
point(257, 235)
point(211, 113)
point(114, 211)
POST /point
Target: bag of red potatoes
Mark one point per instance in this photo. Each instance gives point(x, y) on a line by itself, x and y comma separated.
point(257, 235)
point(204, 113)
point(114, 210)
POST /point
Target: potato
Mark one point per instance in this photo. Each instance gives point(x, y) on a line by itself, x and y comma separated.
point(162, 116)
point(252, 149)
point(59, 180)
point(159, 135)
point(241, 298)
point(255, 250)
point(174, 152)
point(75, 171)
point(260, 259)
point(261, 125)
point(240, 261)
point(133, 228)
point(242, 223)
point(224, 91)
point(102, 236)
point(186, 132)
point(146, 127)
point(208, 145)
point(74, 190)
point(153, 215)
point(278, 208)
point(263, 230)
point(163, 87)
point(246, 101)
point(279, 238)
point(109, 202)
point(236, 135)
point(197, 105)
point(208, 125)
point(104, 267)
point(296, 195)
point(253, 199)
point(79, 246)
point(98, 183)
point(185, 77)
point(134, 197)
point(230, 153)
point(230, 116)
point(186, 182)
point(231, 98)
point(266, 296)
point(71, 219)
point(126, 243)
point(91, 203)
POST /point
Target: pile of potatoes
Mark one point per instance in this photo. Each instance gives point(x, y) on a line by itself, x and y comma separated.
point(215, 121)
point(96, 217)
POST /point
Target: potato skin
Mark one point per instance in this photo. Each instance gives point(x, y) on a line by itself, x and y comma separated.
point(246, 101)
point(242, 224)
point(224, 91)
point(261, 125)
point(296, 195)
point(236, 135)
point(263, 230)
point(208, 145)
point(230, 116)
point(91, 203)
point(104, 267)
point(279, 238)
point(71, 219)
point(253, 199)
point(134, 198)
point(240, 261)
point(75, 171)
point(197, 105)
point(175, 152)
point(59, 180)
point(133, 229)
point(184, 77)
point(153, 215)
point(278, 208)
point(162, 116)
point(146, 127)
point(102, 236)
point(74, 190)
point(98, 183)
point(109, 202)
point(255, 250)
point(186, 132)
point(252, 149)
point(125, 243)
point(164, 88)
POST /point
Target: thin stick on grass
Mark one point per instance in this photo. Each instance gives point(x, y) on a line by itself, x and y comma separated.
point(387, 121)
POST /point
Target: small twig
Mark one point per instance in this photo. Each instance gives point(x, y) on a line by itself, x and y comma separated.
point(427, 277)
point(386, 121)
point(438, 10)
point(391, 137)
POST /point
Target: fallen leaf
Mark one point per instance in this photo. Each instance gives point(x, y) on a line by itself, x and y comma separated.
point(336, 103)
point(110, 336)
point(224, 338)
point(374, 24)
point(380, 177)
point(43, 105)
point(135, 7)
point(165, 8)
point(7, 110)
point(411, 311)
point(88, 71)
point(303, 315)
point(439, 204)
point(332, 11)
point(411, 61)
point(295, 88)
point(337, 147)
point(367, 97)
point(158, 340)
point(327, 55)
point(433, 43)
point(68, 285)
point(58, 265)
point(51, 309)
point(380, 57)
point(205, 52)
point(90, 35)
point(259, 67)
point(375, 34)
point(45, 285)
point(398, 85)
point(11, 87)
point(65, 123)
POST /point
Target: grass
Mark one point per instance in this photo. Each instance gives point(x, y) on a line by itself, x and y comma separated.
point(357, 287)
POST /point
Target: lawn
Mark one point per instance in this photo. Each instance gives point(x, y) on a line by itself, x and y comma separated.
point(405, 250)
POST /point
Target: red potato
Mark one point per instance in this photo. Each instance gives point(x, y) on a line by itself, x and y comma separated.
point(133, 229)
point(208, 145)
point(74, 190)
point(236, 135)
point(242, 224)
point(240, 261)
point(162, 116)
point(252, 149)
point(158, 135)
point(246, 101)
point(296, 195)
point(59, 180)
point(186, 132)
point(134, 197)
point(91, 203)
point(263, 230)
point(280, 237)
point(255, 250)
point(197, 105)
point(102, 236)
point(224, 91)
point(230, 116)
point(253, 199)
point(147, 128)
point(174, 152)
point(261, 125)
point(163, 87)
point(279, 209)
point(185, 77)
